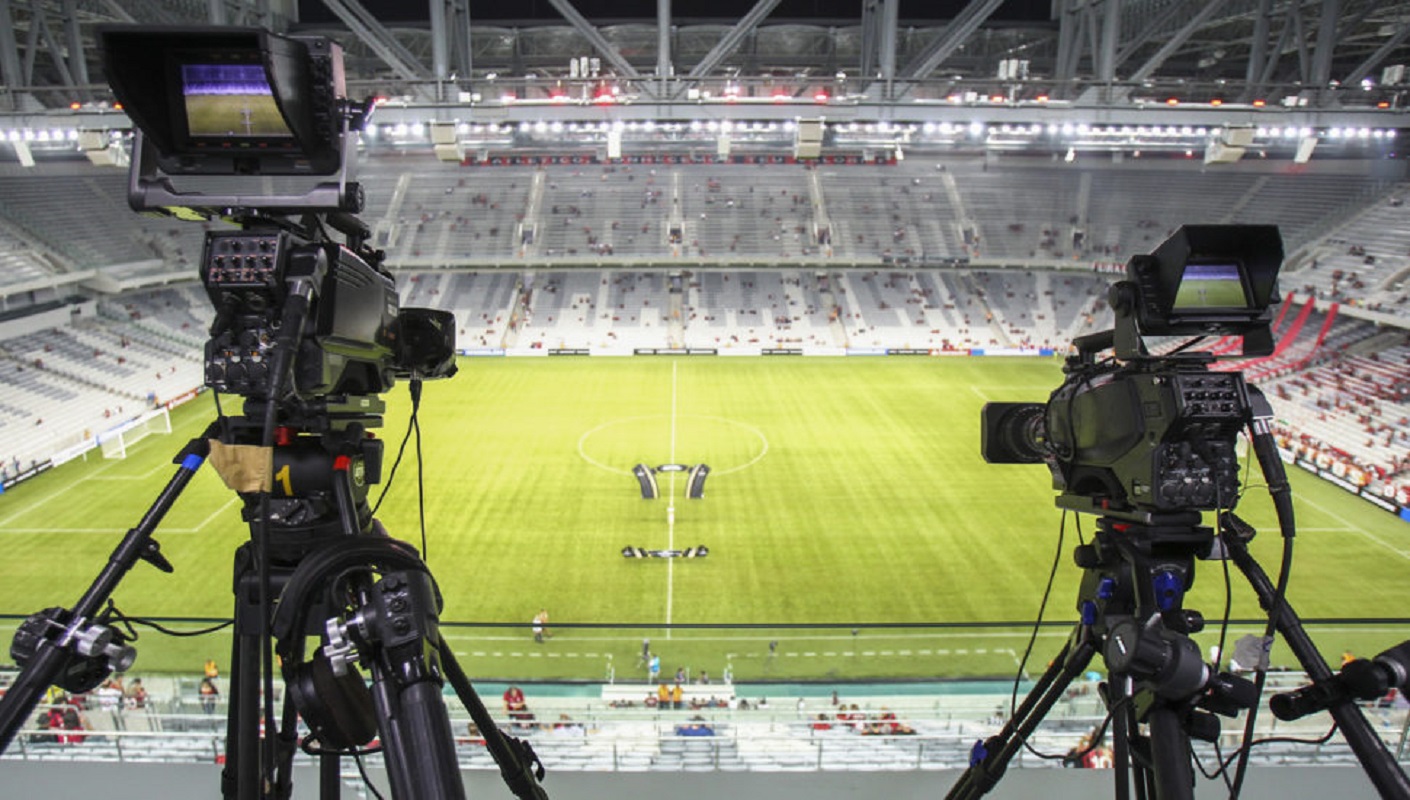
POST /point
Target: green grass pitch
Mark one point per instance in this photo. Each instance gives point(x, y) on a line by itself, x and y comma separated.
point(234, 115)
point(845, 492)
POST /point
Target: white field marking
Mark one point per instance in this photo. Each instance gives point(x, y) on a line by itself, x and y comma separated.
point(144, 476)
point(1351, 526)
point(1054, 633)
point(97, 475)
point(671, 508)
point(582, 440)
point(979, 393)
point(199, 527)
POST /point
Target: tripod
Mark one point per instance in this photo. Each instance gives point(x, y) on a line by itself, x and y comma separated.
point(1136, 572)
point(338, 575)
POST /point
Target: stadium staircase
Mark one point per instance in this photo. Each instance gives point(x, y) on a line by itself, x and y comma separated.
point(520, 313)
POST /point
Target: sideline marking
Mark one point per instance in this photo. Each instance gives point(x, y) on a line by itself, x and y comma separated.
point(1351, 526)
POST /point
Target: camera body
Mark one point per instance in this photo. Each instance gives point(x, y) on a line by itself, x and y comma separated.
point(1153, 433)
point(299, 317)
point(355, 341)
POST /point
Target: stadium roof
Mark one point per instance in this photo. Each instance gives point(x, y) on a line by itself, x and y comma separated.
point(1304, 62)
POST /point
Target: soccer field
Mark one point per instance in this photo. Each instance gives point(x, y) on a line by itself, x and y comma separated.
point(845, 493)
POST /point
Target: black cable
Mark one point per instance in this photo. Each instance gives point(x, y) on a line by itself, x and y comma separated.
point(366, 779)
point(306, 745)
point(420, 486)
point(411, 425)
point(1038, 624)
point(1266, 450)
point(1224, 762)
point(170, 632)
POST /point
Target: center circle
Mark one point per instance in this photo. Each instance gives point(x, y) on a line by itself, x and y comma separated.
point(726, 445)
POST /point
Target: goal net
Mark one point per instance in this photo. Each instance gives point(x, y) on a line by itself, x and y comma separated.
point(115, 442)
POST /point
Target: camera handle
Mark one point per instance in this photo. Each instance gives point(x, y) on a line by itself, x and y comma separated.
point(77, 641)
point(1133, 583)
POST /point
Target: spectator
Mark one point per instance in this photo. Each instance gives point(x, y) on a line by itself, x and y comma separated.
point(677, 697)
point(514, 700)
point(696, 727)
point(136, 695)
point(73, 721)
point(209, 695)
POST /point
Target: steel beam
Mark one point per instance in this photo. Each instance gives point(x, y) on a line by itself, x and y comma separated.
point(1151, 30)
point(733, 38)
point(1111, 35)
point(1177, 40)
point(1326, 43)
point(10, 71)
point(1069, 50)
point(595, 38)
point(886, 55)
point(1258, 47)
point(378, 39)
point(1372, 61)
point(440, 43)
point(960, 28)
point(663, 41)
point(73, 43)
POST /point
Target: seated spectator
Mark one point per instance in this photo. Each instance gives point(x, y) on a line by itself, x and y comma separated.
point(696, 727)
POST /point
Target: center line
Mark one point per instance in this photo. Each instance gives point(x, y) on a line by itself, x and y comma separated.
point(671, 509)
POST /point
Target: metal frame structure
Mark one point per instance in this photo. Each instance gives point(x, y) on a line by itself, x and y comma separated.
point(1279, 62)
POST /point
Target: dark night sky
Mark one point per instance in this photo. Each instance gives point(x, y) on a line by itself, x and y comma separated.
point(313, 11)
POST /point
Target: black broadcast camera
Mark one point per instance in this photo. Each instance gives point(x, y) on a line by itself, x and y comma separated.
point(1149, 432)
point(248, 103)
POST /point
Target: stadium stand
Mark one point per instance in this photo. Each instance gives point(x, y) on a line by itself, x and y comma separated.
point(1364, 263)
point(722, 728)
point(956, 254)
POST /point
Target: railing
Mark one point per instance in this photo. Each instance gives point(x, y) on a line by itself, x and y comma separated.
point(716, 727)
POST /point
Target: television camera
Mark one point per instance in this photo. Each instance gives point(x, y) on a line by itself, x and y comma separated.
point(1148, 442)
point(309, 332)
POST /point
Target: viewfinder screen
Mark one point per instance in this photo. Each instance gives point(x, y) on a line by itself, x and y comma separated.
point(230, 101)
point(1211, 286)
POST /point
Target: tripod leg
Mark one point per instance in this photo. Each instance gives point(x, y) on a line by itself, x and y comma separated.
point(518, 765)
point(1170, 755)
point(242, 774)
point(991, 758)
point(1378, 762)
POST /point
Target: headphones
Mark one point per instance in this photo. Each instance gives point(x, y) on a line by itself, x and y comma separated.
point(337, 708)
